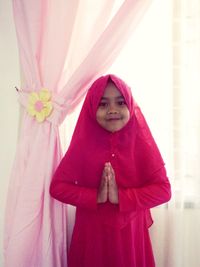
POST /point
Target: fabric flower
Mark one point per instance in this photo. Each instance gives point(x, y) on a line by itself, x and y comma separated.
point(40, 105)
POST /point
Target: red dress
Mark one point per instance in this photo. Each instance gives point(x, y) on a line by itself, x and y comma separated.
point(109, 235)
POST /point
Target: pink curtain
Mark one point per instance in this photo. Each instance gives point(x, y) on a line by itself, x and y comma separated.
point(60, 52)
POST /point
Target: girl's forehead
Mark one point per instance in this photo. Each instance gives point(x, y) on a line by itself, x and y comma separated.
point(111, 90)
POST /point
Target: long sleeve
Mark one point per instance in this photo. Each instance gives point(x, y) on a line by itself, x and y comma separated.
point(148, 196)
point(74, 194)
point(67, 189)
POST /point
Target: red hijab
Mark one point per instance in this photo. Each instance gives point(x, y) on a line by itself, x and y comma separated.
point(132, 150)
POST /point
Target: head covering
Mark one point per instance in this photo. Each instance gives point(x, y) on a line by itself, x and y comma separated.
point(132, 150)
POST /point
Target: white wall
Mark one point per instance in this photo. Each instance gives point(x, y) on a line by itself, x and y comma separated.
point(9, 78)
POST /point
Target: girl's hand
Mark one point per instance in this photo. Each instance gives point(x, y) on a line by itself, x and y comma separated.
point(112, 186)
point(102, 196)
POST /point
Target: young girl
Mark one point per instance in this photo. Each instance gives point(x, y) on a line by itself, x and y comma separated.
point(113, 173)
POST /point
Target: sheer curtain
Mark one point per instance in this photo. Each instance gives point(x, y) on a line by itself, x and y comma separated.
point(56, 58)
point(180, 220)
point(186, 129)
point(186, 84)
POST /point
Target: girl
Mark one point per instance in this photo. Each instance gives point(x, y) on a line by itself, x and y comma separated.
point(113, 173)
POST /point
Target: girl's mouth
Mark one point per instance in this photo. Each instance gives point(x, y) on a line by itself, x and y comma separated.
point(113, 119)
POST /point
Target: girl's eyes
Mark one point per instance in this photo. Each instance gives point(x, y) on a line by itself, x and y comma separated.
point(121, 102)
point(118, 103)
point(103, 104)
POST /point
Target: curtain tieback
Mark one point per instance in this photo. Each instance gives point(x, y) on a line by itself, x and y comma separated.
point(42, 105)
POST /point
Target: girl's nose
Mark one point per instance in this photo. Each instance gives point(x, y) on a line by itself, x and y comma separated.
point(112, 110)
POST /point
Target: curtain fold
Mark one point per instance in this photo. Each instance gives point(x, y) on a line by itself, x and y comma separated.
point(35, 224)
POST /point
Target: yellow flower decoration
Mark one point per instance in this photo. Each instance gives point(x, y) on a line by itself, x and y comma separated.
point(40, 105)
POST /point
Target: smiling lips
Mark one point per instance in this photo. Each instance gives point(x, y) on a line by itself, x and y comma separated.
point(113, 118)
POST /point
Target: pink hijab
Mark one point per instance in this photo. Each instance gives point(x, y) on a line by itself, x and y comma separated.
point(136, 155)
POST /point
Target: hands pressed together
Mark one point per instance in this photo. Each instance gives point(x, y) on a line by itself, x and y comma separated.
point(108, 190)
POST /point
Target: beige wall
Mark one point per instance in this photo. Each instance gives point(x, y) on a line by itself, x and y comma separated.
point(9, 78)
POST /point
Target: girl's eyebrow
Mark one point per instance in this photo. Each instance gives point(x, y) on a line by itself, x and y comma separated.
point(117, 97)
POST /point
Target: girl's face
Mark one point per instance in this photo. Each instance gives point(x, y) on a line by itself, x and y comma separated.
point(112, 113)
